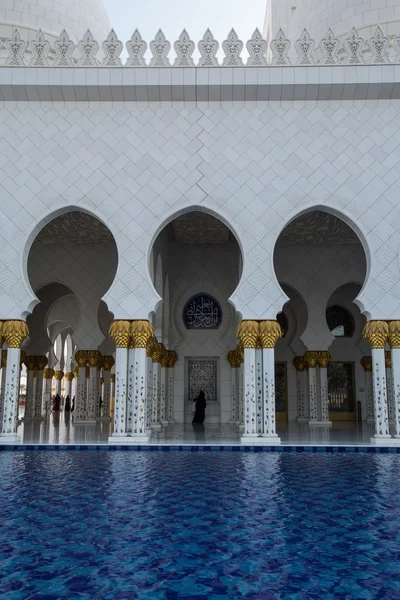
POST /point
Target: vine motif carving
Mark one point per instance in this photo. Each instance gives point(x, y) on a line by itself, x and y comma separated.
point(354, 46)
point(184, 48)
point(88, 48)
point(329, 48)
point(280, 47)
point(40, 49)
point(208, 48)
point(112, 48)
point(160, 48)
point(257, 49)
point(16, 48)
point(136, 48)
point(379, 44)
point(64, 48)
point(305, 46)
point(232, 47)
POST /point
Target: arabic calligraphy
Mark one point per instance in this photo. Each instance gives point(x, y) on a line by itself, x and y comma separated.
point(202, 312)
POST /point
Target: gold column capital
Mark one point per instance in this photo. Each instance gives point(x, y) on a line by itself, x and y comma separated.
point(58, 375)
point(366, 363)
point(150, 346)
point(311, 358)
point(270, 333)
point(76, 371)
point(101, 380)
point(41, 362)
point(240, 354)
point(388, 359)
point(112, 377)
point(394, 334)
point(108, 363)
point(81, 358)
point(94, 358)
point(324, 358)
point(172, 358)
point(232, 358)
point(377, 333)
point(248, 333)
point(157, 352)
point(299, 363)
point(120, 332)
point(48, 374)
point(69, 376)
point(14, 333)
point(30, 363)
point(164, 357)
point(141, 332)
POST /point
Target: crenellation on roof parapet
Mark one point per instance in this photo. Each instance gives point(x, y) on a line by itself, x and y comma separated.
point(280, 51)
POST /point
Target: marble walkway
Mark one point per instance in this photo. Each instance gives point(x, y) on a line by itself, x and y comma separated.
point(59, 428)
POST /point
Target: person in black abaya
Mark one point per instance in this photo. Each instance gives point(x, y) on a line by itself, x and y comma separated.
point(200, 413)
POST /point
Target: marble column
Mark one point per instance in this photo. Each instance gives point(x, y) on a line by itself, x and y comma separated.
point(155, 417)
point(108, 363)
point(164, 387)
point(323, 362)
point(270, 333)
point(48, 375)
point(58, 376)
point(377, 333)
point(241, 388)
point(81, 359)
point(173, 357)
point(234, 363)
point(30, 363)
point(93, 357)
point(366, 363)
point(248, 334)
point(3, 381)
point(311, 359)
point(112, 395)
point(69, 377)
point(299, 364)
point(120, 331)
point(141, 334)
point(42, 404)
point(259, 389)
point(394, 341)
point(14, 333)
point(149, 363)
point(389, 386)
point(130, 392)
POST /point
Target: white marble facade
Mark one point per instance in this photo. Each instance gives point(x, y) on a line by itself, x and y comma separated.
point(271, 185)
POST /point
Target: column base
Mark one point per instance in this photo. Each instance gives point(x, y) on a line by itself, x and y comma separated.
point(387, 440)
point(271, 438)
point(85, 421)
point(302, 419)
point(10, 438)
point(134, 438)
point(164, 423)
point(320, 423)
point(156, 426)
point(249, 437)
point(241, 427)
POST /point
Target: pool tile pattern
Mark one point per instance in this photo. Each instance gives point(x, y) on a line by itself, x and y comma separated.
point(204, 525)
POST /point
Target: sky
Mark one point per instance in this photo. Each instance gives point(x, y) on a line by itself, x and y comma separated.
point(194, 15)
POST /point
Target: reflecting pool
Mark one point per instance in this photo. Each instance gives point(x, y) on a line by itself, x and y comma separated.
point(205, 526)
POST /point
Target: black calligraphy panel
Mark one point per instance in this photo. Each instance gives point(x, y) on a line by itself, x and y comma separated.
point(202, 312)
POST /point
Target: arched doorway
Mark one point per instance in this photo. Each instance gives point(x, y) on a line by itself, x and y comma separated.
point(201, 267)
point(71, 264)
point(318, 254)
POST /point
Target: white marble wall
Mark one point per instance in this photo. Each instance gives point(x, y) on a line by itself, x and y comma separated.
point(255, 165)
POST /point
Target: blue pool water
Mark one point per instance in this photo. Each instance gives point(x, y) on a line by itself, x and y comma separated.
point(200, 526)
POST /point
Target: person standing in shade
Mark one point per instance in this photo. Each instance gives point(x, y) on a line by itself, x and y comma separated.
point(200, 413)
point(67, 407)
